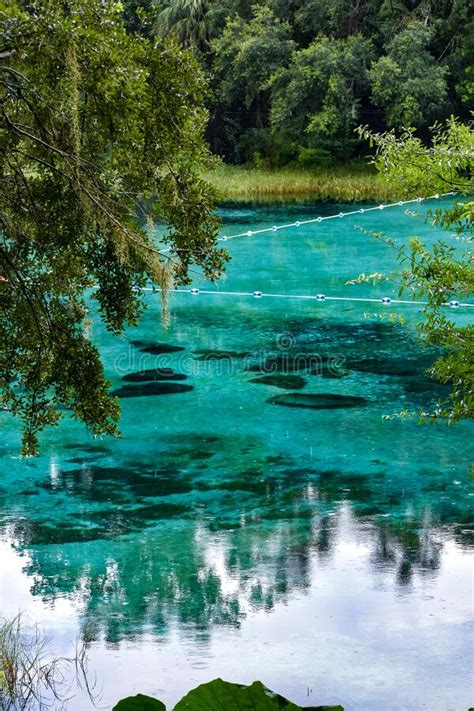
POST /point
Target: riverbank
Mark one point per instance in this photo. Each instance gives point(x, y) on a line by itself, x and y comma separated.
point(345, 184)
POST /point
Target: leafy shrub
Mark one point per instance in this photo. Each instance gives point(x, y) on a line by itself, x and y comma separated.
point(309, 158)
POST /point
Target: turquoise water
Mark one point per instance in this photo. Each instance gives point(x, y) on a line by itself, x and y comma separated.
point(327, 552)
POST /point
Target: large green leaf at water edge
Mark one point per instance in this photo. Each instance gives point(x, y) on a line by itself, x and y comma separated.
point(139, 703)
point(219, 695)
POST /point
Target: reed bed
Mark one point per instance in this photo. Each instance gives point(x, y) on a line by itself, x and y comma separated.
point(340, 184)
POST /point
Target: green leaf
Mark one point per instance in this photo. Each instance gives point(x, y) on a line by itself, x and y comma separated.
point(218, 695)
point(139, 703)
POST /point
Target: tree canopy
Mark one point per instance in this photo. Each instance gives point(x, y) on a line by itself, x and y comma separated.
point(406, 82)
point(99, 130)
point(298, 75)
point(318, 94)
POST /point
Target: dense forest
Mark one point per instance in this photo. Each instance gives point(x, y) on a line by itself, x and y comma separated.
point(291, 79)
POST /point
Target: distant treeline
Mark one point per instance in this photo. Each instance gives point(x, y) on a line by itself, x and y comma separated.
point(291, 79)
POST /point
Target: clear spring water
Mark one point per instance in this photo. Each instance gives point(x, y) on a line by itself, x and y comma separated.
point(327, 552)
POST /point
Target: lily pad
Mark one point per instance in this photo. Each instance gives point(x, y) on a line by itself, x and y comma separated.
point(288, 382)
point(324, 401)
point(139, 703)
point(154, 388)
point(142, 376)
point(218, 695)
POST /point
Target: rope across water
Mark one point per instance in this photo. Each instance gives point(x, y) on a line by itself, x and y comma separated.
point(386, 300)
point(301, 223)
point(360, 211)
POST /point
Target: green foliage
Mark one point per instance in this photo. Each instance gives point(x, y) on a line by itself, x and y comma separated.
point(266, 150)
point(445, 164)
point(313, 158)
point(248, 53)
point(220, 694)
point(194, 22)
point(349, 182)
point(317, 93)
point(465, 86)
point(407, 82)
point(445, 271)
point(217, 695)
point(338, 18)
point(95, 124)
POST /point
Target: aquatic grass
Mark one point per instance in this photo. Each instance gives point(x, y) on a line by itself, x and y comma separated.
point(352, 183)
point(30, 676)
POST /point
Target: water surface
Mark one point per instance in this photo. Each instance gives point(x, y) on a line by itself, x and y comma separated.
point(327, 552)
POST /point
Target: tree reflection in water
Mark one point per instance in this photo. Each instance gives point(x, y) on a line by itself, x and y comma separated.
point(143, 548)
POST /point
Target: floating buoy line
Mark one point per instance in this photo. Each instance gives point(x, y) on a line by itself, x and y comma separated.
point(386, 300)
point(320, 218)
point(338, 215)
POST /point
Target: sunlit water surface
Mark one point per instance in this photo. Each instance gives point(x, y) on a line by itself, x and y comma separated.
point(327, 552)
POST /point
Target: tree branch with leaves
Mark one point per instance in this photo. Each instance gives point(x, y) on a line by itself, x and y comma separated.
point(101, 131)
point(443, 272)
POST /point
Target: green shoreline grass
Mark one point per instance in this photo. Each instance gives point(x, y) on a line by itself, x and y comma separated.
point(345, 184)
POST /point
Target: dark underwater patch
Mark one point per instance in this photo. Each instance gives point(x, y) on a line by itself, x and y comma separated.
point(192, 439)
point(28, 492)
point(156, 348)
point(311, 363)
point(324, 401)
point(151, 389)
point(130, 519)
point(385, 366)
point(106, 523)
point(119, 484)
point(210, 354)
point(287, 382)
point(339, 485)
point(278, 459)
point(152, 374)
point(84, 460)
point(89, 448)
point(333, 374)
point(425, 386)
point(37, 533)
